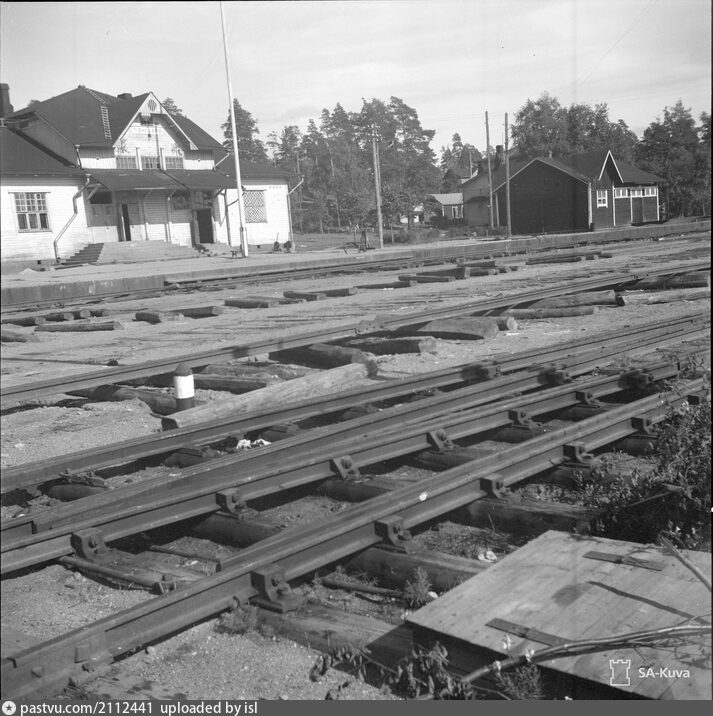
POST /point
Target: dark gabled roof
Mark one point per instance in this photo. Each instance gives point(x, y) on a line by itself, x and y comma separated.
point(462, 172)
point(588, 165)
point(591, 165)
point(584, 167)
point(199, 137)
point(21, 157)
point(77, 115)
point(634, 175)
point(249, 170)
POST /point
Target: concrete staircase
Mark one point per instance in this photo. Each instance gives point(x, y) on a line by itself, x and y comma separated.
point(129, 252)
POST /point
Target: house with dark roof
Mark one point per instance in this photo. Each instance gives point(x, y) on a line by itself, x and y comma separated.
point(40, 200)
point(579, 193)
point(146, 175)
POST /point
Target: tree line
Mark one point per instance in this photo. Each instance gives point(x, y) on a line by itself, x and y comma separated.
point(331, 162)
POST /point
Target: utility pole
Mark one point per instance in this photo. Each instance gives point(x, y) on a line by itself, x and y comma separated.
point(490, 175)
point(377, 185)
point(238, 178)
point(507, 180)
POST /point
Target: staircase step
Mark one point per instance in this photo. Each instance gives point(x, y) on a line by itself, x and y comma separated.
point(129, 252)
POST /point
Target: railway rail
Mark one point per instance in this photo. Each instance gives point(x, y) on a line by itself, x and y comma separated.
point(579, 357)
point(231, 481)
point(27, 391)
point(263, 572)
point(428, 257)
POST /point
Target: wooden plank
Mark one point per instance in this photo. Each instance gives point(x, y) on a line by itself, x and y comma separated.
point(325, 629)
point(549, 586)
point(464, 327)
point(8, 336)
point(158, 316)
point(79, 327)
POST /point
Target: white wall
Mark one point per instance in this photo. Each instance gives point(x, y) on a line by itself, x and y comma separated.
point(277, 226)
point(38, 245)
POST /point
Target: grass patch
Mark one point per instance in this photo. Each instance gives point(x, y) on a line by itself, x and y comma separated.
point(674, 497)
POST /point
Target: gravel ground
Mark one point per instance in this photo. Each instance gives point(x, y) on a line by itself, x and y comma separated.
point(201, 663)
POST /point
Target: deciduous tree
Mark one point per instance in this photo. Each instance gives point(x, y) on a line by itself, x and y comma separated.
point(675, 149)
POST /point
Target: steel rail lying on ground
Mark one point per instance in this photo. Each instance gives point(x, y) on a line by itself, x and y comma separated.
point(27, 391)
point(264, 569)
point(509, 247)
point(589, 352)
point(233, 480)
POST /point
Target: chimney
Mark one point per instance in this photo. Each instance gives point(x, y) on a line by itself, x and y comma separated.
point(5, 106)
point(498, 156)
point(125, 95)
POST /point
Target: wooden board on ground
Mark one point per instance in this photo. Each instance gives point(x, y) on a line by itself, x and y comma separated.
point(552, 586)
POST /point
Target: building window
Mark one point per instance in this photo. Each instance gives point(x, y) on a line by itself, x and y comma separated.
point(126, 162)
point(620, 193)
point(638, 191)
point(650, 191)
point(173, 162)
point(180, 200)
point(150, 162)
point(31, 211)
point(255, 207)
point(602, 198)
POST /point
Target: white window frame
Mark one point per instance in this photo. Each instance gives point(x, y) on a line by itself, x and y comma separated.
point(172, 162)
point(621, 193)
point(602, 198)
point(650, 191)
point(255, 206)
point(31, 204)
point(152, 160)
point(128, 160)
point(636, 191)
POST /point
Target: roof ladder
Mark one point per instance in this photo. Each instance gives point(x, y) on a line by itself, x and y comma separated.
point(105, 121)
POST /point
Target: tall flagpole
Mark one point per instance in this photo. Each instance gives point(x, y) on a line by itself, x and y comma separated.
point(241, 204)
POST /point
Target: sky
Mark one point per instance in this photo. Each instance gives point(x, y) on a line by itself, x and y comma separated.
point(450, 60)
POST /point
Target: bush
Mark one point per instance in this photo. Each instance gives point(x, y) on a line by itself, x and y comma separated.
point(240, 620)
point(675, 496)
point(416, 591)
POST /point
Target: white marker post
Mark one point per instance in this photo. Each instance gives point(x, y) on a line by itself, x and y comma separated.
point(183, 387)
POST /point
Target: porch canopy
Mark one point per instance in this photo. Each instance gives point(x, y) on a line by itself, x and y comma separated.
point(151, 179)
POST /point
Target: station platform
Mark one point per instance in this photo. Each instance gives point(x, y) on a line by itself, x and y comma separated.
point(59, 283)
point(67, 283)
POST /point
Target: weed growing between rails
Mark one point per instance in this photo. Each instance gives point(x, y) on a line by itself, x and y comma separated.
point(425, 673)
point(674, 497)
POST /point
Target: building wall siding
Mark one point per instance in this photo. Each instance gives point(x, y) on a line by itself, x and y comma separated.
point(277, 226)
point(545, 200)
point(477, 213)
point(38, 245)
point(99, 158)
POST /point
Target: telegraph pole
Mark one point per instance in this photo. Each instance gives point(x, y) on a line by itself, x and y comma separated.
point(377, 185)
point(507, 180)
point(238, 178)
point(490, 175)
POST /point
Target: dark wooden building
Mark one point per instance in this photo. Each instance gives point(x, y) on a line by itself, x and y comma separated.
point(578, 193)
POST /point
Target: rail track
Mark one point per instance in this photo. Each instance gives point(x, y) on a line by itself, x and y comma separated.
point(579, 357)
point(22, 392)
point(263, 572)
point(256, 276)
point(521, 402)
